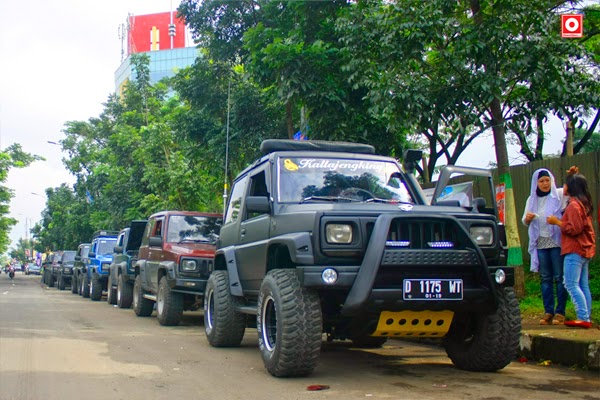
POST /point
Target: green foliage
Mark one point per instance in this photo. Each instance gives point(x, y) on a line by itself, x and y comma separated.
point(450, 71)
point(11, 157)
point(392, 74)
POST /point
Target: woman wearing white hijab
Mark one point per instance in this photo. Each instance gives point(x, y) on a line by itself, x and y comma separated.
point(544, 243)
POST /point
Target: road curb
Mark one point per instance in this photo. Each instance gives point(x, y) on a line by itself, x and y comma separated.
point(540, 347)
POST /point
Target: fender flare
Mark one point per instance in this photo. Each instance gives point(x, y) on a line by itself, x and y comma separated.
point(169, 268)
point(299, 246)
point(235, 286)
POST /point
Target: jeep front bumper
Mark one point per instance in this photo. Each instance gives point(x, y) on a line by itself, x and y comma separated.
point(378, 283)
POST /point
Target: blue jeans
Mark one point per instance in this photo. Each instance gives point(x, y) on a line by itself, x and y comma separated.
point(578, 286)
point(551, 272)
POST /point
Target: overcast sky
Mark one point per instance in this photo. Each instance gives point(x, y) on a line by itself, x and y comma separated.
point(58, 63)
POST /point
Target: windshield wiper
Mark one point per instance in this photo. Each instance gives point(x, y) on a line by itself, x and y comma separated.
point(327, 198)
point(194, 241)
point(387, 201)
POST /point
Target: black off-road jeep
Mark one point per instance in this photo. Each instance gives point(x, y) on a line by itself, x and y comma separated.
point(324, 237)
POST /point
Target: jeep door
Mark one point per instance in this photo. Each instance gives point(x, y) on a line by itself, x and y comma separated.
point(251, 252)
point(155, 253)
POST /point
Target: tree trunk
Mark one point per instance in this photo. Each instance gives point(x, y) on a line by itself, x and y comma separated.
point(289, 120)
point(515, 255)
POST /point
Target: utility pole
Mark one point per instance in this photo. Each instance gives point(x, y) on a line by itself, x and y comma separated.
point(569, 141)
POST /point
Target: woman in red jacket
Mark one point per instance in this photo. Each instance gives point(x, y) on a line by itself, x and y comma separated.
point(578, 245)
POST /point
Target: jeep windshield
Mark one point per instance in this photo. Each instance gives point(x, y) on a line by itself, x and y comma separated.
point(106, 246)
point(304, 179)
point(193, 229)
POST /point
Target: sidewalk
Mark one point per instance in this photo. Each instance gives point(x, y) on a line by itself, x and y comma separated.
point(560, 344)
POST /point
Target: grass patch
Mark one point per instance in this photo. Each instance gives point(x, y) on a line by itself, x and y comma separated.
point(532, 306)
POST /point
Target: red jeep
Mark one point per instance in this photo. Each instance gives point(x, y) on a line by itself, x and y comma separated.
point(175, 261)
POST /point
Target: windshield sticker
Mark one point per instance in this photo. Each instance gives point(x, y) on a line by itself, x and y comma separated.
point(332, 165)
point(290, 165)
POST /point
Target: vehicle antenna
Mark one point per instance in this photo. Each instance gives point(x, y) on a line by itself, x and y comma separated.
point(226, 150)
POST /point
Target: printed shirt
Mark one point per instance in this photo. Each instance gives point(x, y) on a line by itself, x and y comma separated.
point(577, 232)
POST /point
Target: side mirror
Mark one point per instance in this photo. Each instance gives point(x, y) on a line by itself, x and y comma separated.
point(258, 204)
point(91, 254)
point(478, 204)
point(118, 249)
point(155, 241)
point(77, 258)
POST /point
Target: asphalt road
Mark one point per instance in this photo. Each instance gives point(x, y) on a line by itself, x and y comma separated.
point(57, 345)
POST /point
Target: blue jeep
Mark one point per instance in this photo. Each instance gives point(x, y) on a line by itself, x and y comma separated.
point(97, 267)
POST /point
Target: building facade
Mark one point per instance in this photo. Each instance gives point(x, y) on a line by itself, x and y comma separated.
point(163, 38)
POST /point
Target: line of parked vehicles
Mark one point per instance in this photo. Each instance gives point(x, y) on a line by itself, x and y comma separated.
point(164, 260)
point(320, 238)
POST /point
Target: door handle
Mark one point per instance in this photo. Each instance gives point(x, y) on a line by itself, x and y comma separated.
point(243, 231)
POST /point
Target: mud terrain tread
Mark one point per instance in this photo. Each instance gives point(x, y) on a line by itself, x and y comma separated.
point(125, 298)
point(299, 325)
point(74, 284)
point(111, 292)
point(495, 338)
point(85, 286)
point(141, 306)
point(95, 288)
point(172, 309)
point(228, 326)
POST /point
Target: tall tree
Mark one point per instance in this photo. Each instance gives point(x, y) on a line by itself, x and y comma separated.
point(11, 157)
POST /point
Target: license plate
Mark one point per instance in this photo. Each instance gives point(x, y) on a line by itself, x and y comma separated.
point(433, 289)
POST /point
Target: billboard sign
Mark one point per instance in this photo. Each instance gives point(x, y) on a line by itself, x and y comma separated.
point(151, 32)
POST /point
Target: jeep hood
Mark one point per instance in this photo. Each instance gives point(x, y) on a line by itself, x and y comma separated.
point(191, 249)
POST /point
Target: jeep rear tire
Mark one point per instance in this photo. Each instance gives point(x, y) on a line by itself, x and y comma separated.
point(486, 343)
point(124, 292)
point(111, 292)
point(61, 282)
point(289, 324)
point(142, 307)
point(223, 324)
point(50, 280)
point(95, 288)
point(169, 304)
point(74, 284)
point(85, 286)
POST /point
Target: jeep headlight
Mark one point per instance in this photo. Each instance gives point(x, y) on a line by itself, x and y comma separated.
point(188, 265)
point(482, 235)
point(338, 233)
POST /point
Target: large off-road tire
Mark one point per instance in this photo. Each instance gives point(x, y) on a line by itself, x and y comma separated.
point(141, 307)
point(50, 280)
point(95, 288)
point(111, 292)
point(223, 325)
point(124, 293)
point(85, 286)
point(169, 304)
point(289, 324)
point(61, 282)
point(74, 284)
point(486, 343)
point(368, 342)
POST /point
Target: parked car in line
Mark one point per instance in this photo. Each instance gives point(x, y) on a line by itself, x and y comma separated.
point(98, 263)
point(50, 266)
point(33, 269)
point(331, 238)
point(175, 260)
point(122, 272)
point(65, 271)
point(79, 268)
